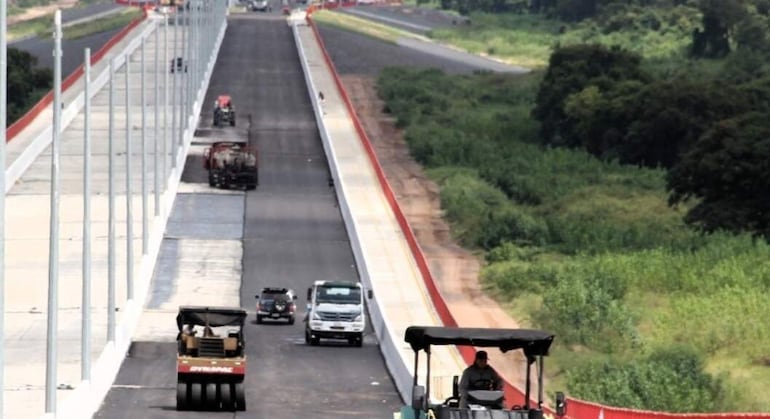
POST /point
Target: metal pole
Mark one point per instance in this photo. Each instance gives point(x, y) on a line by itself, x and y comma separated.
point(3, 123)
point(156, 128)
point(183, 82)
point(53, 242)
point(129, 206)
point(111, 216)
point(196, 74)
point(165, 102)
point(174, 93)
point(145, 228)
point(85, 346)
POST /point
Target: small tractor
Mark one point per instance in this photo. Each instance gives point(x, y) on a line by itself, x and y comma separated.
point(224, 111)
point(231, 164)
point(481, 402)
point(210, 361)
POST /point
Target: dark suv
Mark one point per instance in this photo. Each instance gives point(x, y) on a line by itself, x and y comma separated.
point(276, 303)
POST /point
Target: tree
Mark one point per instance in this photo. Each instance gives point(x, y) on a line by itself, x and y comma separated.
point(576, 10)
point(570, 70)
point(26, 83)
point(666, 117)
point(728, 172)
point(719, 19)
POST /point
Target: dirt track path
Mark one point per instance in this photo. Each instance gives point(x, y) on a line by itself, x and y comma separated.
point(456, 270)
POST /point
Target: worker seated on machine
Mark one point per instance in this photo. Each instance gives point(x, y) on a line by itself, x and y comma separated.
point(481, 385)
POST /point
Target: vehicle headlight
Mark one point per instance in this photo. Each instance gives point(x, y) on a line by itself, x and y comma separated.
point(315, 316)
point(359, 318)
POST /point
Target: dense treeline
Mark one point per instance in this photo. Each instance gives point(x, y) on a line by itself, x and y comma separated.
point(690, 113)
point(26, 83)
point(707, 131)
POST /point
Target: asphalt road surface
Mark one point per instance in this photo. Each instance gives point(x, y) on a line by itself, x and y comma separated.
point(293, 235)
point(72, 50)
point(413, 19)
point(354, 53)
point(68, 15)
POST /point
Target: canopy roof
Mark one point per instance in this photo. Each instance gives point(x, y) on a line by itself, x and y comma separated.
point(533, 342)
point(211, 316)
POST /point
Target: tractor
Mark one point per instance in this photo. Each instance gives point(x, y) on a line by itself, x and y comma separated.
point(211, 359)
point(224, 112)
point(231, 164)
point(482, 402)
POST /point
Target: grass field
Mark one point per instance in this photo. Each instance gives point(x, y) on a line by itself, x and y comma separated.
point(42, 26)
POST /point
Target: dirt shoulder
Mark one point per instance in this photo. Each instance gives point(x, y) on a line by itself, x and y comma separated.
point(456, 270)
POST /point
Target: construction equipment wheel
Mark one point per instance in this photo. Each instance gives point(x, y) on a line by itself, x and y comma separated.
point(181, 396)
point(240, 397)
point(226, 394)
point(196, 396)
point(212, 403)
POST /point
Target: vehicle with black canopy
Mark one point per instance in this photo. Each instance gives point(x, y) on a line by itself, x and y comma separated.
point(482, 404)
point(211, 361)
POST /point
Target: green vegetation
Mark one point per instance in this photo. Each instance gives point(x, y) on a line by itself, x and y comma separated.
point(528, 40)
point(589, 247)
point(618, 192)
point(25, 4)
point(31, 28)
point(26, 83)
point(42, 26)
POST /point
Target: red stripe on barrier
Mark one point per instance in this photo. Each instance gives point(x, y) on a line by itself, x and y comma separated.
point(512, 394)
point(20, 124)
point(578, 409)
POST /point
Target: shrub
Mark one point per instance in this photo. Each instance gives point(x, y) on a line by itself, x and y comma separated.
point(670, 379)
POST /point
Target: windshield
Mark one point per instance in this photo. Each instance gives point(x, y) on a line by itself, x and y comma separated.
point(338, 295)
point(275, 297)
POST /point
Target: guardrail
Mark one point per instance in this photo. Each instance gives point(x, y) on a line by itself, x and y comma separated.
point(578, 409)
point(86, 398)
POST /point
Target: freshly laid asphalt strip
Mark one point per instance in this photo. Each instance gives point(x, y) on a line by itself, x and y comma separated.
point(293, 235)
